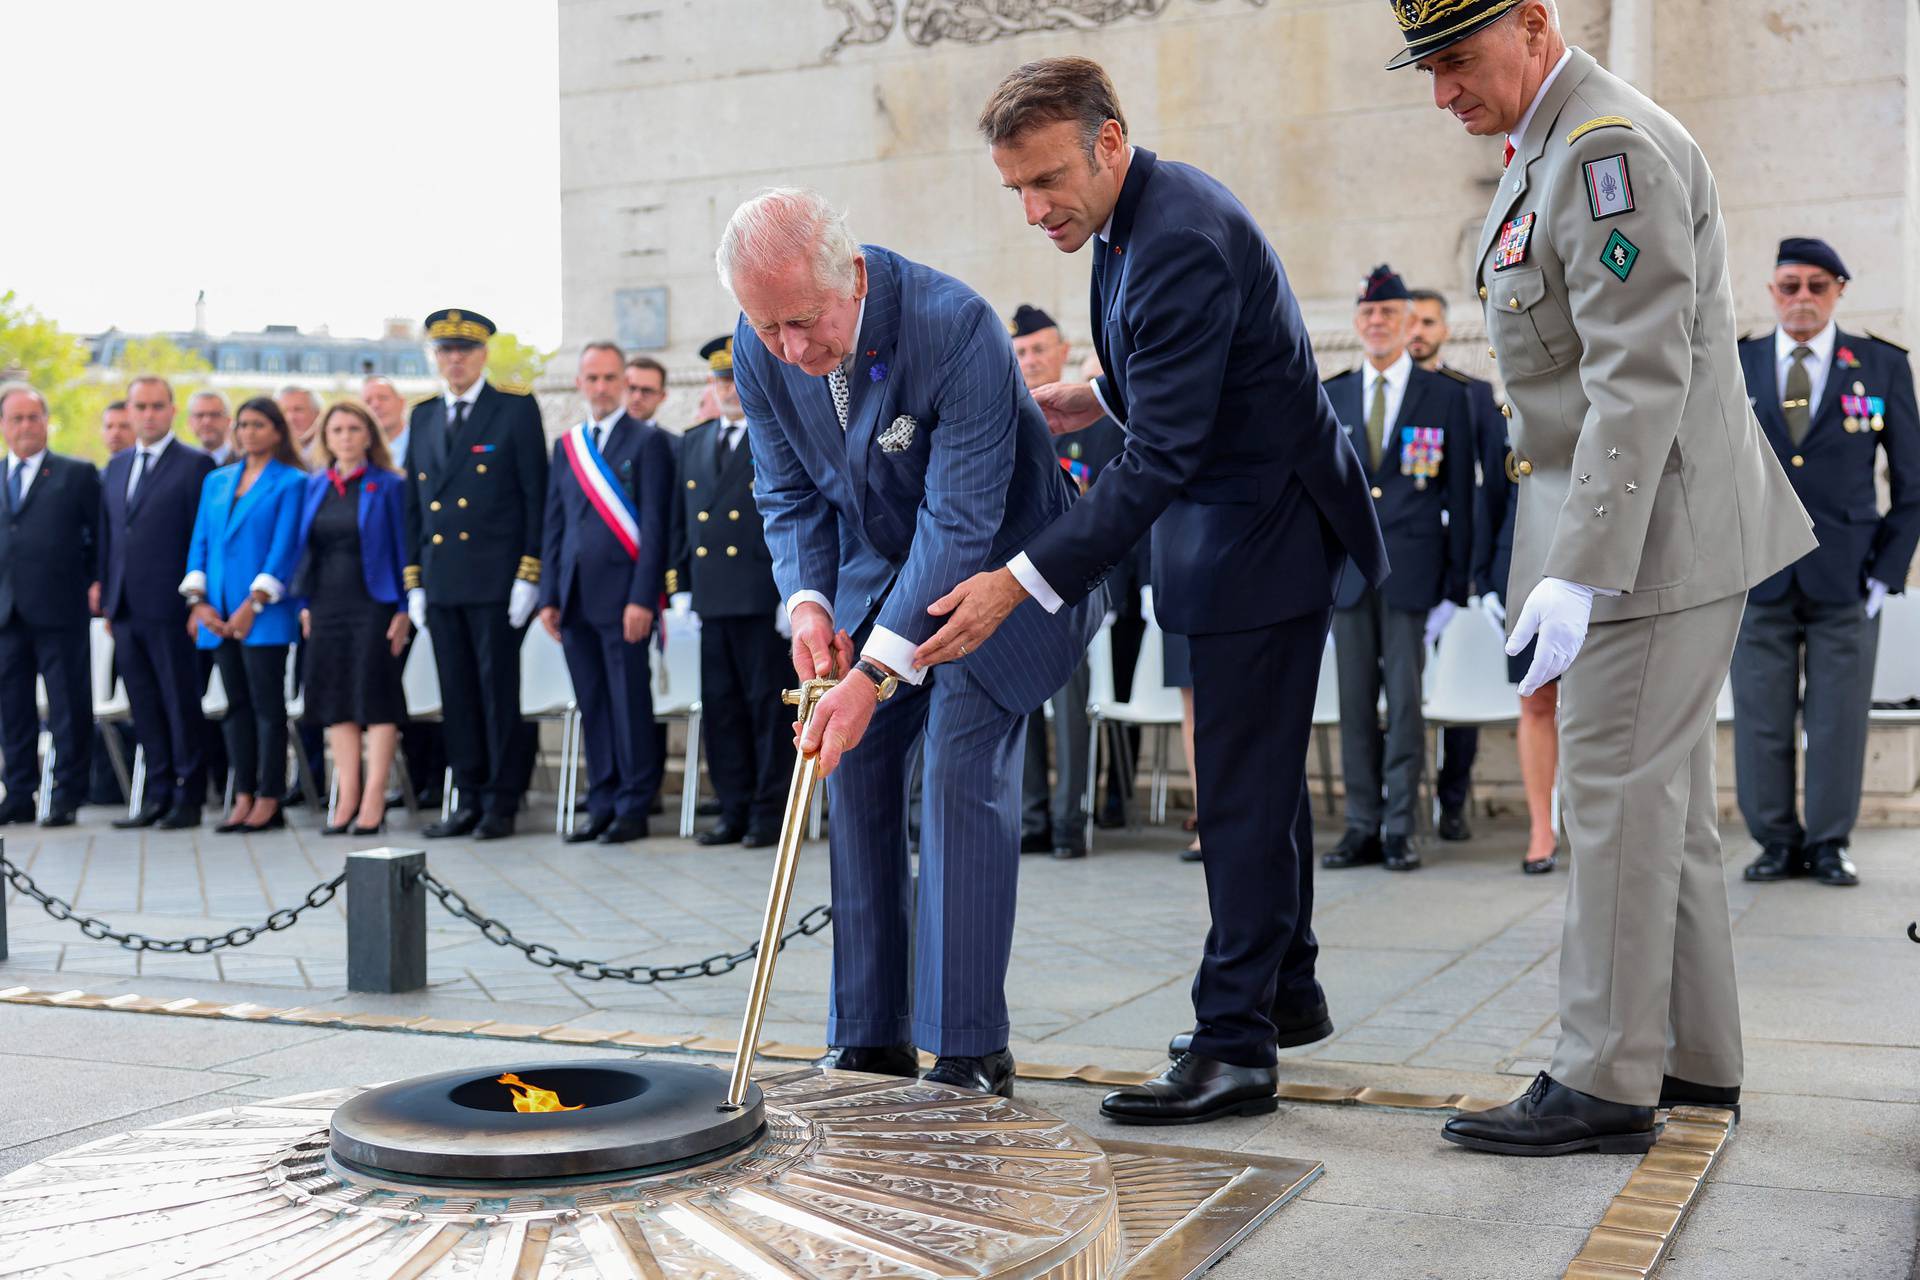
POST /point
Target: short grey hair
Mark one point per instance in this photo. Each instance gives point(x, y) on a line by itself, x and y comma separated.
point(603, 344)
point(208, 393)
point(782, 225)
point(10, 389)
point(313, 397)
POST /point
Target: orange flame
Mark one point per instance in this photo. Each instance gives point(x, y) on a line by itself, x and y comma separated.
point(527, 1098)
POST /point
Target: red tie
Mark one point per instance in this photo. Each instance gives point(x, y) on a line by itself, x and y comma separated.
point(1508, 158)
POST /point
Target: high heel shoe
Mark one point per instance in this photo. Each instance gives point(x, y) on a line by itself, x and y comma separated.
point(341, 829)
point(229, 828)
point(357, 830)
point(277, 822)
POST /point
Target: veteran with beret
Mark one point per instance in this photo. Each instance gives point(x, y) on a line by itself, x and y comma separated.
point(1648, 505)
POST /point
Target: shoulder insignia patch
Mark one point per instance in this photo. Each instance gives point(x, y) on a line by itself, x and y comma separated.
point(1598, 122)
point(1619, 255)
point(1887, 341)
point(1609, 189)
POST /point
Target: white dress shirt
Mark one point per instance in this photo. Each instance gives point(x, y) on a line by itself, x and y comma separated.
point(1818, 364)
point(466, 397)
point(398, 446)
point(1520, 130)
point(139, 470)
point(602, 429)
point(28, 467)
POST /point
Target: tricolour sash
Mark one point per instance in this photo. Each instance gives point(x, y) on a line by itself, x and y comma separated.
point(596, 481)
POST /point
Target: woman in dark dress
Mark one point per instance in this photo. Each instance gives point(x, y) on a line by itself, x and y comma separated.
point(355, 618)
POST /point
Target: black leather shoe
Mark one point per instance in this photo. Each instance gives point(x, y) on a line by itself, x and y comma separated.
point(1357, 848)
point(1073, 846)
point(1831, 865)
point(624, 830)
point(145, 818)
point(181, 817)
point(1398, 854)
point(760, 838)
point(1291, 1027)
point(1776, 862)
point(458, 823)
point(1675, 1092)
point(1038, 842)
point(874, 1059)
point(495, 826)
point(1453, 825)
point(1550, 1119)
point(11, 813)
point(59, 818)
point(992, 1073)
point(721, 833)
point(589, 831)
point(1194, 1090)
point(1540, 866)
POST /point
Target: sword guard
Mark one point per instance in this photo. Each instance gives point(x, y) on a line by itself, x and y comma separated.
point(807, 695)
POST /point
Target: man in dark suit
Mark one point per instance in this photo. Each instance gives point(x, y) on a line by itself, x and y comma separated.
point(149, 498)
point(1237, 462)
point(609, 491)
point(48, 556)
point(1414, 432)
point(1829, 402)
point(720, 555)
point(477, 485)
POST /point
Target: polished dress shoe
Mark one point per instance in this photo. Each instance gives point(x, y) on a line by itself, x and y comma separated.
point(145, 818)
point(1675, 1092)
point(759, 838)
point(720, 833)
point(1831, 865)
point(1038, 842)
point(1453, 825)
point(1291, 1028)
point(1357, 848)
point(992, 1073)
point(60, 818)
point(180, 818)
point(1540, 866)
point(1777, 861)
point(874, 1059)
point(1398, 854)
point(589, 831)
point(1070, 846)
point(1550, 1119)
point(11, 813)
point(1192, 854)
point(495, 826)
point(1194, 1090)
point(458, 823)
point(624, 830)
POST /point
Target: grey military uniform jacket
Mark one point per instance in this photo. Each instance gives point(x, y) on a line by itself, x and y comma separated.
point(1603, 266)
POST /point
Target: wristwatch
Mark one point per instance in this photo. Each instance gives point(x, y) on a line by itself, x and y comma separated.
point(883, 682)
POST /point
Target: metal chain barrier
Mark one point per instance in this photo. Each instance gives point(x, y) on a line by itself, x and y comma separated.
point(597, 970)
point(199, 945)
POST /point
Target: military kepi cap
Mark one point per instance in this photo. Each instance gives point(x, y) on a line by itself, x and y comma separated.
point(1804, 251)
point(1028, 320)
point(456, 328)
point(1428, 26)
point(1383, 284)
point(719, 356)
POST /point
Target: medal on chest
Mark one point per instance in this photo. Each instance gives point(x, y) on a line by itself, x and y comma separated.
point(1864, 412)
point(1511, 249)
point(1421, 450)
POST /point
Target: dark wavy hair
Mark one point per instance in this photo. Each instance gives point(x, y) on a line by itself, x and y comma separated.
point(283, 450)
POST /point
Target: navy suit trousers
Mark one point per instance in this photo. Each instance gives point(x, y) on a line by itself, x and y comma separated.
point(614, 688)
point(58, 655)
point(161, 668)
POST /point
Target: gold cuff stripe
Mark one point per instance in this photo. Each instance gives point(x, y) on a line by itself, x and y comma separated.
point(1598, 122)
point(410, 577)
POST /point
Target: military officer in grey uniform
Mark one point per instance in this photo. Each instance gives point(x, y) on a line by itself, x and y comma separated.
point(1830, 401)
point(1648, 505)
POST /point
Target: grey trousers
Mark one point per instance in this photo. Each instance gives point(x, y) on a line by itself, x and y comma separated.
point(1066, 816)
point(1834, 645)
point(1646, 960)
point(1376, 645)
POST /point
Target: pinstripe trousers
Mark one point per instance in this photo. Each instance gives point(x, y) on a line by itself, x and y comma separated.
point(962, 926)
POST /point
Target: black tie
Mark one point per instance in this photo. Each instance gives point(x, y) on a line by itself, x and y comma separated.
point(139, 471)
point(14, 477)
point(459, 415)
point(599, 437)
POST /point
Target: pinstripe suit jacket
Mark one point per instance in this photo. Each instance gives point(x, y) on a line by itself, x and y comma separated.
point(885, 518)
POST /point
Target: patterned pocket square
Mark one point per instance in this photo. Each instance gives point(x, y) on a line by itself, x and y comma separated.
point(900, 435)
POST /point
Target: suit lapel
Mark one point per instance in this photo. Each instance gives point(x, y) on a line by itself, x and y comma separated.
point(1763, 390)
point(1528, 149)
point(879, 333)
point(240, 503)
point(1345, 395)
point(156, 471)
point(40, 480)
point(1838, 380)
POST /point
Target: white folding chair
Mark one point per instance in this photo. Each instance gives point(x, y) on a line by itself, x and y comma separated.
point(1465, 683)
point(546, 693)
point(676, 696)
point(1154, 704)
point(1896, 669)
point(44, 805)
point(1723, 705)
point(110, 706)
point(1326, 715)
point(420, 685)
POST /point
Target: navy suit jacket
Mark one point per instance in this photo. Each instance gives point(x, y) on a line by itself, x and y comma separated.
point(49, 546)
point(581, 560)
point(382, 512)
point(1832, 469)
point(1428, 528)
point(1234, 457)
point(945, 469)
point(143, 545)
point(1493, 510)
point(239, 536)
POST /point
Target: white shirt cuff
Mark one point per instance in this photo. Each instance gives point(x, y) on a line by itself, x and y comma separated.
point(894, 652)
point(1029, 577)
point(809, 597)
point(194, 584)
point(1095, 384)
point(269, 586)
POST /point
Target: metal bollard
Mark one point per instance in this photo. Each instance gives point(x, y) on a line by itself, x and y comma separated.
point(386, 920)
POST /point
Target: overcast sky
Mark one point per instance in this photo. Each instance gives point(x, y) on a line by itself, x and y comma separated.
point(310, 164)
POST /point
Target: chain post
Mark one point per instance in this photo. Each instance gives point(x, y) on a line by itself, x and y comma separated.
point(386, 920)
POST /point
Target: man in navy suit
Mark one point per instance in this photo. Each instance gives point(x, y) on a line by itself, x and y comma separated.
point(898, 452)
point(604, 572)
point(1236, 460)
point(1829, 402)
point(1414, 431)
point(48, 555)
point(149, 498)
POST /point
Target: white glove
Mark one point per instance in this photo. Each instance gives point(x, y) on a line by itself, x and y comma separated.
point(680, 601)
point(1495, 611)
point(1556, 612)
point(417, 608)
point(520, 604)
point(1437, 619)
point(1876, 596)
point(782, 622)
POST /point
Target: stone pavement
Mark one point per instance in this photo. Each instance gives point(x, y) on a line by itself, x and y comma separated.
point(1442, 982)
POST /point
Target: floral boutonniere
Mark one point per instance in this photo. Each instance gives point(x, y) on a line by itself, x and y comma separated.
point(1846, 359)
point(370, 486)
point(876, 372)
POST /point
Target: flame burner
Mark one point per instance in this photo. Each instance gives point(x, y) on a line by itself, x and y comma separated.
point(634, 1118)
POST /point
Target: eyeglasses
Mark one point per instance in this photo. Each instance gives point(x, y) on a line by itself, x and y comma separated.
point(1788, 288)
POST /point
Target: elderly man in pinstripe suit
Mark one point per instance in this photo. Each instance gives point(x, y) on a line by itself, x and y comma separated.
point(898, 453)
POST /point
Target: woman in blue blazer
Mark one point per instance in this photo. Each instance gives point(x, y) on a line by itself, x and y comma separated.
point(246, 542)
point(355, 616)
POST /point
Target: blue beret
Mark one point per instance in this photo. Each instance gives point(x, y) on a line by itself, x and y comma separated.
point(1383, 284)
point(1807, 252)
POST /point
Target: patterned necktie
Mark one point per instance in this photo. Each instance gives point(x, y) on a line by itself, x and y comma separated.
point(1797, 404)
point(1376, 422)
point(842, 394)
